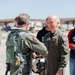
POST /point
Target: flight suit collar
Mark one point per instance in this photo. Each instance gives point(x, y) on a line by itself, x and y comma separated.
point(18, 29)
point(53, 36)
point(56, 32)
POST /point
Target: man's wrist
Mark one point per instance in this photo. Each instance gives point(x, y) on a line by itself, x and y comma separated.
point(60, 69)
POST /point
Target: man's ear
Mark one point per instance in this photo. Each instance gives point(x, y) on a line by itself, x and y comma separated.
point(58, 23)
point(46, 23)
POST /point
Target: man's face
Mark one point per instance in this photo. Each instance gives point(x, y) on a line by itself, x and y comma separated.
point(52, 23)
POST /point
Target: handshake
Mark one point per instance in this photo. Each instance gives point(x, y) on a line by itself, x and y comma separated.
point(37, 55)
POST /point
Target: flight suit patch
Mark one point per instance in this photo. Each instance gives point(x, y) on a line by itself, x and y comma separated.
point(47, 39)
point(34, 38)
point(53, 39)
point(65, 38)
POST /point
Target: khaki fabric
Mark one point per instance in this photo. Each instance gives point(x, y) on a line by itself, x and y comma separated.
point(27, 43)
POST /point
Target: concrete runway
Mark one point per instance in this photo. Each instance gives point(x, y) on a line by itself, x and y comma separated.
point(3, 57)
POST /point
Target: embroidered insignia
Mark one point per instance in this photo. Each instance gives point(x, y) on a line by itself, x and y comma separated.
point(65, 38)
point(34, 38)
point(53, 39)
point(47, 39)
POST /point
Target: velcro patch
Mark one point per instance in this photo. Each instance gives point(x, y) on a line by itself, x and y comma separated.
point(34, 38)
point(65, 38)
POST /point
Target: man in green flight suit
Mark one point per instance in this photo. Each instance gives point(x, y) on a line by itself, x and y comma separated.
point(27, 43)
point(57, 45)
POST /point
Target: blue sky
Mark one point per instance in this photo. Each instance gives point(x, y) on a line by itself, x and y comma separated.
point(37, 8)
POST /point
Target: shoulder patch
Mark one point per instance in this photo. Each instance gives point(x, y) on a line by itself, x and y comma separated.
point(65, 38)
point(53, 39)
point(34, 38)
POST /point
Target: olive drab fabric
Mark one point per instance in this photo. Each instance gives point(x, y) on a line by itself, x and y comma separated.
point(31, 42)
point(16, 57)
point(58, 56)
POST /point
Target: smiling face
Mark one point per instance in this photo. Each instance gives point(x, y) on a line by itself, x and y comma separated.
point(53, 23)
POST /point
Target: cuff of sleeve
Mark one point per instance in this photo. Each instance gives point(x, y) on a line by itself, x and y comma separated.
point(45, 53)
point(60, 69)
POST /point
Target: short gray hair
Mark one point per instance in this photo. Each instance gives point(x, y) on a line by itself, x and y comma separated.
point(23, 19)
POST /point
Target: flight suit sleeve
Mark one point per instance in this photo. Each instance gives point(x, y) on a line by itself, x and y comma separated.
point(64, 54)
point(35, 45)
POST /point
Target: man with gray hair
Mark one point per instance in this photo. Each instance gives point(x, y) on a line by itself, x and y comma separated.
point(20, 45)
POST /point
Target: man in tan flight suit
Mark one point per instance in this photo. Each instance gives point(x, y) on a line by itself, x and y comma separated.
point(27, 43)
